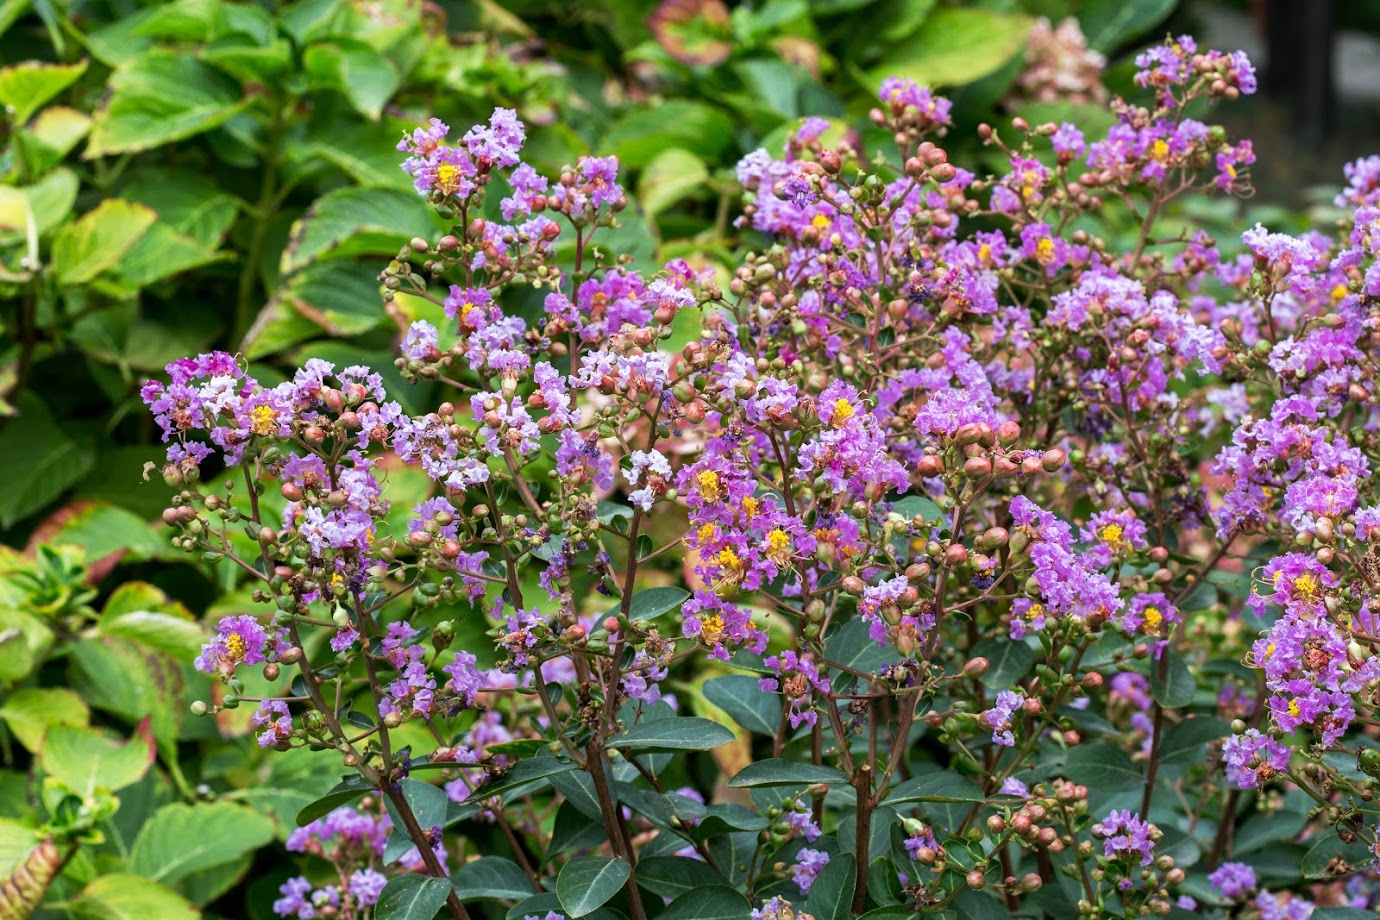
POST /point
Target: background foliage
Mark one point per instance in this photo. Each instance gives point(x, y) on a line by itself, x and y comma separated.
point(198, 174)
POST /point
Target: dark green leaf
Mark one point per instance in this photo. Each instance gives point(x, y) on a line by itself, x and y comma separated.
point(345, 792)
point(1103, 768)
point(411, 897)
point(491, 877)
point(1176, 687)
point(357, 221)
point(682, 733)
point(935, 787)
point(588, 882)
point(1330, 857)
point(717, 902)
point(673, 876)
point(366, 77)
point(832, 891)
point(777, 772)
point(743, 699)
point(160, 97)
point(1109, 23)
point(650, 603)
point(1186, 741)
point(1009, 661)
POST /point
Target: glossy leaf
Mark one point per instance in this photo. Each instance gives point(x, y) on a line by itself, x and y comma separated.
point(588, 882)
point(411, 897)
point(682, 733)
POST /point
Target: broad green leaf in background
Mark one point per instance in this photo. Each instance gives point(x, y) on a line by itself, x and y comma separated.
point(181, 839)
point(953, 47)
point(670, 176)
point(411, 897)
point(673, 876)
point(38, 462)
point(1175, 689)
point(638, 137)
point(160, 97)
point(85, 760)
point(23, 639)
point(939, 786)
point(120, 896)
point(29, 712)
point(25, 87)
point(1108, 23)
point(99, 239)
point(53, 134)
point(357, 221)
point(365, 76)
point(588, 882)
point(1008, 661)
point(131, 681)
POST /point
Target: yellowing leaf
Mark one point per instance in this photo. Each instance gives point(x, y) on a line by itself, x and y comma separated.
point(25, 87)
point(99, 239)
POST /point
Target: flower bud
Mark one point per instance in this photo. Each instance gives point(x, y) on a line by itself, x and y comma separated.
point(1053, 460)
point(976, 667)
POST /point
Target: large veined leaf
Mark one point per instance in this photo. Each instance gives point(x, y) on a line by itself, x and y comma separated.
point(953, 47)
point(682, 733)
point(99, 239)
point(31, 711)
point(85, 760)
point(777, 772)
point(160, 97)
point(181, 839)
point(365, 76)
point(121, 896)
point(357, 221)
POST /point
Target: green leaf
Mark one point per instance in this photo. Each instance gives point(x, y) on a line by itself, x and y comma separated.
point(492, 878)
point(1009, 661)
point(44, 205)
point(650, 603)
point(23, 640)
point(943, 786)
point(1185, 741)
point(160, 97)
point(339, 300)
point(357, 221)
point(129, 897)
point(638, 137)
point(31, 711)
point(716, 902)
point(777, 772)
point(24, 88)
point(38, 462)
point(131, 681)
point(673, 876)
point(162, 253)
point(681, 733)
point(102, 528)
point(1175, 689)
point(742, 698)
point(188, 202)
point(953, 47)
point(670, 176)
point(345, 792)
point(832, 892)
point(1103, 768)
point(366, 77)
point(181, 839)
point(586, 883)
point(54, 133)
point(1330, 854)
point(85, 760)
point(411, 897)
point(99, 239)
point(1109, 23)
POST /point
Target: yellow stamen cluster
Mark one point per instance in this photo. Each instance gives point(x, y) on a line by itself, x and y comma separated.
point(843, 411)
point(1294, 708)
point(778, 545)
point(1159, 151)
point(705, 534)
point(821, 221)
point(235, 643)
point(1339, 292)
point(1153, 621)
point(263, 420)
point(448, 178)
point(712, 629)
point(1306, 586)
point(751, 506)
point(710, 489)
point(730, 560)
point(1044, 250)
point(1111, 534)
